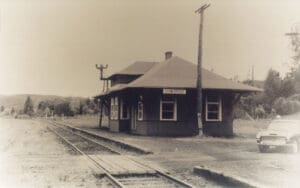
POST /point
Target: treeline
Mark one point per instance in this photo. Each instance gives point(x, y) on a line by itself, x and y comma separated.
point(281, 95)
point(59, 107)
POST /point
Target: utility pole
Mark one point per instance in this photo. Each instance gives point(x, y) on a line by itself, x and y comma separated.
point(105, 88)
point(105, 84)
point(199, 69)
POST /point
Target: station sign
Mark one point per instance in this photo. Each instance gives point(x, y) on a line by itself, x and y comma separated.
point(174, 91)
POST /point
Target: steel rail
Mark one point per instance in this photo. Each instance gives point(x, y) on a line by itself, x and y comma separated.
point(89, 139)
point(165, 175)
point(114, 180)
point(105, 139)
point(106, 172)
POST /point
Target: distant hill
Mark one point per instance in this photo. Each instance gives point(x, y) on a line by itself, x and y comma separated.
point(17, 101)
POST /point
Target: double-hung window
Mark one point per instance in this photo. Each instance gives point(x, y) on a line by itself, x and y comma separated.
point(168, 108)
point(114, 108)
point(124, 110)
point(213, 107)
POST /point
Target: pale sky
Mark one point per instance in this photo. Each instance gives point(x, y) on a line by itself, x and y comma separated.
point(52, 46)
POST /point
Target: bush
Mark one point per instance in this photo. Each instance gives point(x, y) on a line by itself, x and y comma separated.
point(22, 116)
point(295, 97)
point(64, 109)
point(260, 112)
point(286, 106)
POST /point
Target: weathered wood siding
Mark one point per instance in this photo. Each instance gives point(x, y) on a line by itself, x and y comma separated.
point(224, 127)
point(186, 124)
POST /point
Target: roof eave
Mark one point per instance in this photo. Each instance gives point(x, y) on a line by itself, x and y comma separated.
point(223, 89)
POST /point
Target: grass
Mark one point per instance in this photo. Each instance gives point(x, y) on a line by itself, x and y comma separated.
point(87, 121)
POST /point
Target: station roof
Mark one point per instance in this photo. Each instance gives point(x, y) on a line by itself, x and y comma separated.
point(137, 68)
point(176, 73)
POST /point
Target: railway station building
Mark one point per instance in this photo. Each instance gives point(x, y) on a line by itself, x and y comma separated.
point(160, 99)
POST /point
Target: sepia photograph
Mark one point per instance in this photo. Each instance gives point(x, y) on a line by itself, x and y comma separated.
point(149, 94)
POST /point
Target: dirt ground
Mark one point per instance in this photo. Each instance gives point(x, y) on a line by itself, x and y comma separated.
point(236, 156)
point(32, 156)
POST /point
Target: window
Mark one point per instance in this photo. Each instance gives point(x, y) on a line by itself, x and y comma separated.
point(168, 108)
point(114, 106)
point(140, 110)
point(213, 108)
point(124, 110)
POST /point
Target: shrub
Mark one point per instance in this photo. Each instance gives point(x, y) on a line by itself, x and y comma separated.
point(64, 109)
point(295, 97)
point(286, 106)
point(260, 112)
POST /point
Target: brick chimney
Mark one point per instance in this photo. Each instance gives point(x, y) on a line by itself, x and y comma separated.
point(168, 55)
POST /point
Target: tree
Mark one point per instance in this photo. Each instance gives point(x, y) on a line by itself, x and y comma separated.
point(288, 87)
point(12, 111)
point(296, 76)
point(28, 106)
point(64, 108)
point(47, 112)
point(272, 89)
point(2, 108)
point(91, 106)
point(88, 102)
point(295, 47)
point(42, 105)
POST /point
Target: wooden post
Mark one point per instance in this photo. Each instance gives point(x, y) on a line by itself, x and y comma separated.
point(104, 89)
point(199, 69)
point(101, 113)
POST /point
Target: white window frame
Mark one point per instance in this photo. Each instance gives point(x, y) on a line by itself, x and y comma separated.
point(114, 108)
point(121, 110)
point(140, 111)
point(174, 101)
point(219, 103)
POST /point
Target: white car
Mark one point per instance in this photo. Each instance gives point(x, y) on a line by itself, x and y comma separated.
point(280, 133)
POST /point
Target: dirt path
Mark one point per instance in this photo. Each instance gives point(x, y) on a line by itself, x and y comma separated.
point(32, 156)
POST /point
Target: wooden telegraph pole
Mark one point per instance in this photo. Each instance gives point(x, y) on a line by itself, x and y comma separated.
point(105, 84)
point(199, 69)
point(104, 89)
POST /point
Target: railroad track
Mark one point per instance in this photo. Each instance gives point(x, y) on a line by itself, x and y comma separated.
point(111, 167)
point(115, 145)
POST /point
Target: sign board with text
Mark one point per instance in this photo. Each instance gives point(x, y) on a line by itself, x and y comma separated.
point(174, 91)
